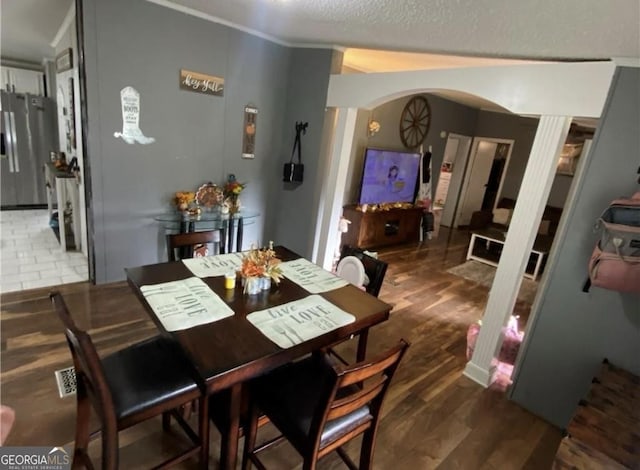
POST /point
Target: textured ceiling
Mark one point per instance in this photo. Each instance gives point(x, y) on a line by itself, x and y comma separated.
point(542, 29)
point(29, 26)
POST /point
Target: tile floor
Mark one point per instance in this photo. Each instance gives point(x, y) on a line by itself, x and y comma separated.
point(30, 255)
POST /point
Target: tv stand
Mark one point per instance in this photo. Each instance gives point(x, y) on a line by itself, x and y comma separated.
point(381, 228)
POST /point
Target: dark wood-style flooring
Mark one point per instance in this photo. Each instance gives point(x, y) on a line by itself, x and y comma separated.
point(434, 417)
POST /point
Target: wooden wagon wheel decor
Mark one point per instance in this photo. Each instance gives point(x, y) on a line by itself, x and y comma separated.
point(414, 122)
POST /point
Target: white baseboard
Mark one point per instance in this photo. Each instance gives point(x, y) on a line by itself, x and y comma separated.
point(479, 375)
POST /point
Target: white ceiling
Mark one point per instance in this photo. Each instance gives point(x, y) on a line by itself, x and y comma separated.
point(541, 29)
point(544, 29)
point(432, 33)
point(29, 26)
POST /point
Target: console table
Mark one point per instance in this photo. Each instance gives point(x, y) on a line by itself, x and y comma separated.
point(230, 227)
point(380, 228)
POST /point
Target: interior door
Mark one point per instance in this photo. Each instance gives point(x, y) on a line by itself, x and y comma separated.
point(476, 181)
point(458, 166)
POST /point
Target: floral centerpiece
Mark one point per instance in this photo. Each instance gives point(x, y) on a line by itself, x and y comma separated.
point(259, 268)
point(182, 199)
point(231, 191)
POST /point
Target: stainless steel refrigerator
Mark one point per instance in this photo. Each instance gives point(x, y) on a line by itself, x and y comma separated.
point(29, 134)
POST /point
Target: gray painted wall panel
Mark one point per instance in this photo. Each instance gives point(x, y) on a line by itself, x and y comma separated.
point(573, 331)
point(198, 137)
point(294, 223)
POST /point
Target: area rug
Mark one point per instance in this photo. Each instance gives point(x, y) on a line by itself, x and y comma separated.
point(483, 274)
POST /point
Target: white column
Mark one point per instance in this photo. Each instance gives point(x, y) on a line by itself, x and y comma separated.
point(333, 188)
point(532, 198)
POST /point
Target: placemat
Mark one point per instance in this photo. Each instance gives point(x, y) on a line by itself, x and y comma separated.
point(184, 304)
point(298, 321)
point(217, 265)
point(310, 276)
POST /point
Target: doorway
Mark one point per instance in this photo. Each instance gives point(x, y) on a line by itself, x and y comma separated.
point(456, 154)
point(484, 178)
point(45, 228)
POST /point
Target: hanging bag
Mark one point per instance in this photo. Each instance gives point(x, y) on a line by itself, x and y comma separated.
point(615, 261)
point(294, 172)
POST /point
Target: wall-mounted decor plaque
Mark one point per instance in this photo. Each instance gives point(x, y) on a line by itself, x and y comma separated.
point(64, 60)
point(131, 133)
point(207, 84)
point(249, 134)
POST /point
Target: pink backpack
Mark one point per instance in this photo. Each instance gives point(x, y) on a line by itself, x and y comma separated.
point(615, 261)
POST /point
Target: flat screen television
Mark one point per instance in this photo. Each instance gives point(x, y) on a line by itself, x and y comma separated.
point(389, 176)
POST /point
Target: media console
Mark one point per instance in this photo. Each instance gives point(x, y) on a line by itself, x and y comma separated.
point(381, 228)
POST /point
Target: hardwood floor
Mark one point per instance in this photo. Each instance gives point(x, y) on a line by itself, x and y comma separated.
point(433, 417)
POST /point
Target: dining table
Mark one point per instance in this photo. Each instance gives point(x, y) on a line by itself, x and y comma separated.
point(231, 350)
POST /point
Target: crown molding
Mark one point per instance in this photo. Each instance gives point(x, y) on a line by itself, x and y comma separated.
point(70, 16)
point(627, 61)
point(244, 29)
point(218, 20)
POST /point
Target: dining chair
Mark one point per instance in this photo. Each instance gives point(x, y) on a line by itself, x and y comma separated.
point(375, 269)
point(186, 241)
point(318, 406)
point(219, 413)
point(125, 388)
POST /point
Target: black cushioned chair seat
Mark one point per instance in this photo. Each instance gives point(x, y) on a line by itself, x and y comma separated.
point(290, 396)
point(145, 374)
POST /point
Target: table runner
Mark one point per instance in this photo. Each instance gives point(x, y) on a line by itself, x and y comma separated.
point(217, 265)
point(184, 304)
point(298, 321)
point(310, 276)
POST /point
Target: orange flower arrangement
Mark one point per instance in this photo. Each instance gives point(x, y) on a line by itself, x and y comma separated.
point(261, 263)
point(184, 198)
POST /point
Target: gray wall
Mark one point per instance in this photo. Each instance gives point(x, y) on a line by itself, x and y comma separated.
point(446, 116)
point(198, 137)
point(294, 217)
point(573, 331)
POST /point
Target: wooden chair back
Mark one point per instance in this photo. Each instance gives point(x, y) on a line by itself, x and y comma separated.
point(187, 241)
point(373, 268)
point(90, 379)
point(353, 387)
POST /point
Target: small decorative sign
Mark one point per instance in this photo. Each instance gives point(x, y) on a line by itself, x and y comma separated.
point(207, 84)
point(249, 134)
point(64, 60)
point(131, 133)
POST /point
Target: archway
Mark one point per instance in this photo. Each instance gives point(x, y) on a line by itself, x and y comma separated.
point(555, 92)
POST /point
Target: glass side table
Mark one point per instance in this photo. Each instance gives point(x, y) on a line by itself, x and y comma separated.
point(230, 227)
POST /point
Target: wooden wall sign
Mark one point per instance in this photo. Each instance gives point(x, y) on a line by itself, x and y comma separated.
point(201, 83)
point(249, 132)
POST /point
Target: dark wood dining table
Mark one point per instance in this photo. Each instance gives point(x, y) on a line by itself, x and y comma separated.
point(230, 351)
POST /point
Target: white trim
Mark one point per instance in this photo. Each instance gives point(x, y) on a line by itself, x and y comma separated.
point(218, 20)
point(560, 89)
point(244, 29)
point(301, 45)
point(479, 375)
point(536, 184)
point(553, 259)
point(69, 17)
point(469, 169)
point(627, 61)
point(334, 184)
